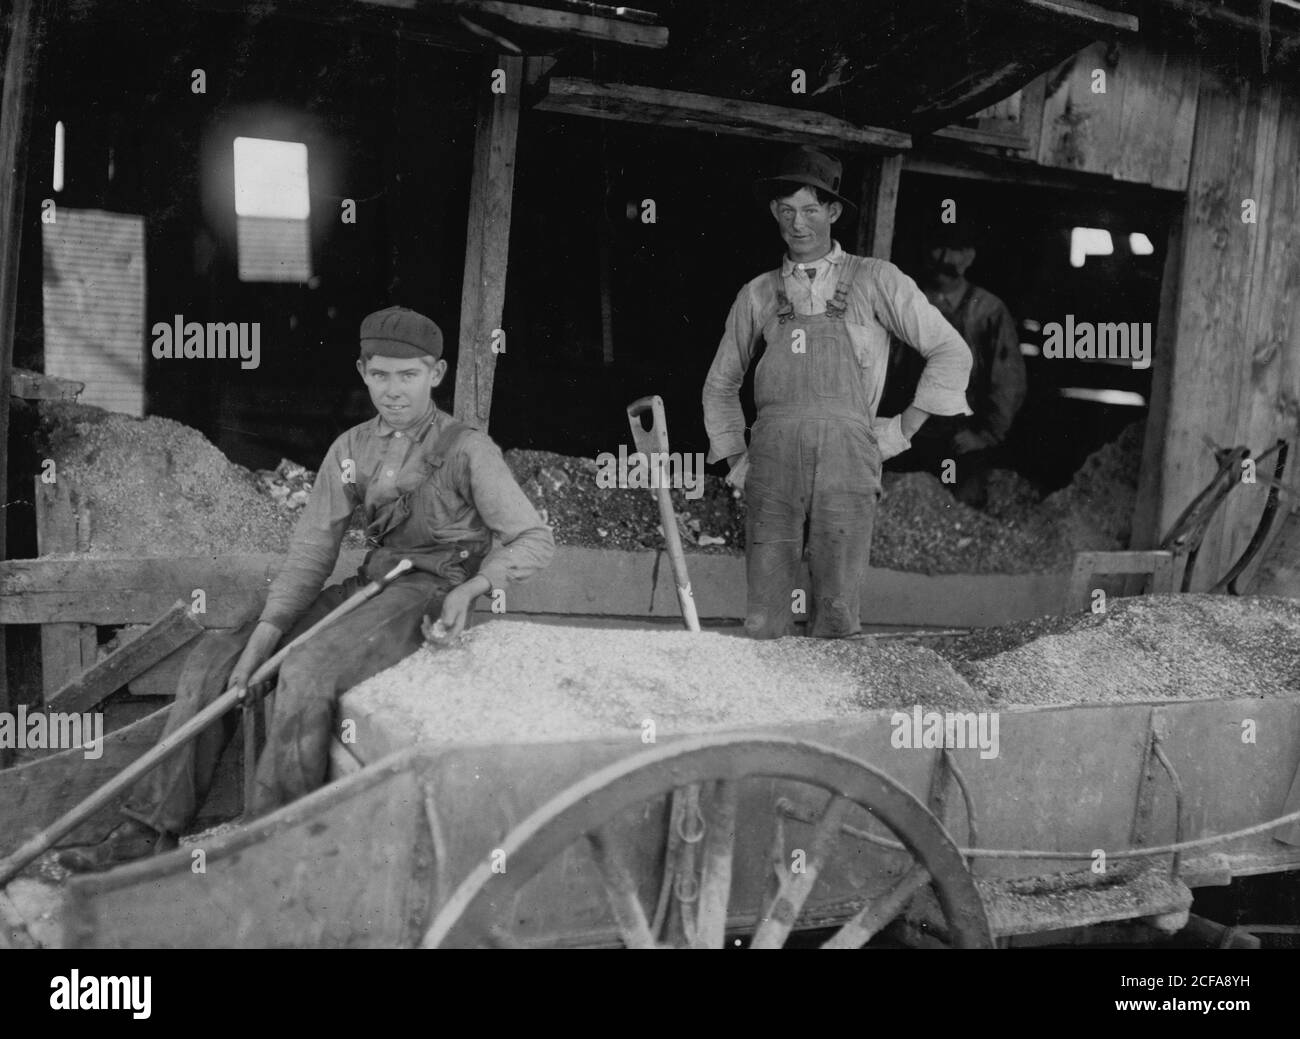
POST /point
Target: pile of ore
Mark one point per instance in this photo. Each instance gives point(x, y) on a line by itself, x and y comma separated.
point(564, 491)
point(157, 487)
point(518, 681)
point(1158, 647)
point(920, 526)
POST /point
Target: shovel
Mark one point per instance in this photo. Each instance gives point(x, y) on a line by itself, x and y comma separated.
point(653, 443)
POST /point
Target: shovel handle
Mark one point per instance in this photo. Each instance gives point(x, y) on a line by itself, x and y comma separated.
point(656, 437)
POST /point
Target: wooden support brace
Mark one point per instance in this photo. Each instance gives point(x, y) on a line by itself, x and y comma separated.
point(20, 63)
point(875, 231)
point(487, 240)
point(62, 527)
point(171, 631)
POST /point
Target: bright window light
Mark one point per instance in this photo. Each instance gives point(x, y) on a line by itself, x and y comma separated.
point(1089, 241)
point(1122, 397)
point(1140, 245)
point(271, 179)
point(58, 156)
point(272, 210)
point(1030, 350)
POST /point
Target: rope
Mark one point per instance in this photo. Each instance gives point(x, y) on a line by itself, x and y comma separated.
point(789, 808)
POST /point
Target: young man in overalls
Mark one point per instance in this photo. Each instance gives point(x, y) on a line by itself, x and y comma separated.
point(819, 328)
point(432, 490)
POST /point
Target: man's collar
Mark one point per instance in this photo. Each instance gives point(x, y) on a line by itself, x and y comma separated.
point(836, 255)
point(381, 428)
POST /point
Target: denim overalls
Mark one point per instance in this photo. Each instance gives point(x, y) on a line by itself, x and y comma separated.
point(814, 472)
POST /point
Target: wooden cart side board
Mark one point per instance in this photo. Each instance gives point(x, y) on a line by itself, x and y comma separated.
point(347, 866)
point(35, 794)
point(580, 581)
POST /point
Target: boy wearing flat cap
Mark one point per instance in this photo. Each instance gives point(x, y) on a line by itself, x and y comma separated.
point(817, 332)
point(432, 490)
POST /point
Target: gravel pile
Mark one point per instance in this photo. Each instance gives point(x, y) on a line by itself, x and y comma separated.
point(564, 490)
point(154, 486)
point(513, 681)
point(920, 526)
point(1165, 647)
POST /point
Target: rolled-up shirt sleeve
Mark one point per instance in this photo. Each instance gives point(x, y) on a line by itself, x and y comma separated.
point(902, 308)
point(724, 417)
point(522, 544)
point(314, 547)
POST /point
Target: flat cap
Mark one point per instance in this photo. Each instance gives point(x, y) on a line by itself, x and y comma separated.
point(400, 332)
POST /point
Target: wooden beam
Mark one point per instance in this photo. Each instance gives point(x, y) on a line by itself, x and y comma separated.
point(1146, 508)
point(172, 630)
point(586, 21)
point(581, 582)
point(1079, 14)
point(989, 138)
point(875, 235)
point(20, 64)
point(28, 385)
point(681, 110)
point(487, 239)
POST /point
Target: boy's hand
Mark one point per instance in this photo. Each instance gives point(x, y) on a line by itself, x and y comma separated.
point(459, 602)
point(261, 644)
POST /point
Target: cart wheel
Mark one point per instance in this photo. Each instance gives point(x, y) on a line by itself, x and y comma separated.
point(478, 912)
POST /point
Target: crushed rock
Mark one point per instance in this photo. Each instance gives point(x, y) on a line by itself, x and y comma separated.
point(519, 681)
point(1160, 647)
point(155, 486)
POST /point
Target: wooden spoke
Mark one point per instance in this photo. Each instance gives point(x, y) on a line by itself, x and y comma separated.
point(795, 889)
point(876, 915)
point(586, 809)
point(620, 887)
point(715, 887)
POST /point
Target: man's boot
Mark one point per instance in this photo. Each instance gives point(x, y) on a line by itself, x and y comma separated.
point(129, 841)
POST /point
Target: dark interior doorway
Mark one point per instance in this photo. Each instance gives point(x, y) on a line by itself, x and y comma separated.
point(1023, 255)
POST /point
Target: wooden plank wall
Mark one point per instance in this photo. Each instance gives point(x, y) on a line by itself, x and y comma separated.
point(1139, 130)
point(1236, 363)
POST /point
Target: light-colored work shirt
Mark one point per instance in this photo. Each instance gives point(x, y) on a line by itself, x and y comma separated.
point(881, 300)
point(371, 465)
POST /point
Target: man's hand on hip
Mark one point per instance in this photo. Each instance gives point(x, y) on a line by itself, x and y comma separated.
point(739, 469)
point(261, 644)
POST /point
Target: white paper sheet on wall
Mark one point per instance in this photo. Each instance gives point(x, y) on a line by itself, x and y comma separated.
point(94, 294)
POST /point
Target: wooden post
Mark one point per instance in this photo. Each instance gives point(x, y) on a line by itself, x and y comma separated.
point(875, 230)
point(67, 649)
point(15, 116)
point(487, 239)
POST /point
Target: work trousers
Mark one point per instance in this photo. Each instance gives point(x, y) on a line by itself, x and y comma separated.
point(813, 481)
point(373, 637)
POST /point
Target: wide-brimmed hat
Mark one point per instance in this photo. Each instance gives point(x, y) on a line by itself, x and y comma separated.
point(809, 166)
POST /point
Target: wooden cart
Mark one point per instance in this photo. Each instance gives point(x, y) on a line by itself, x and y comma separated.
point(825, 831)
